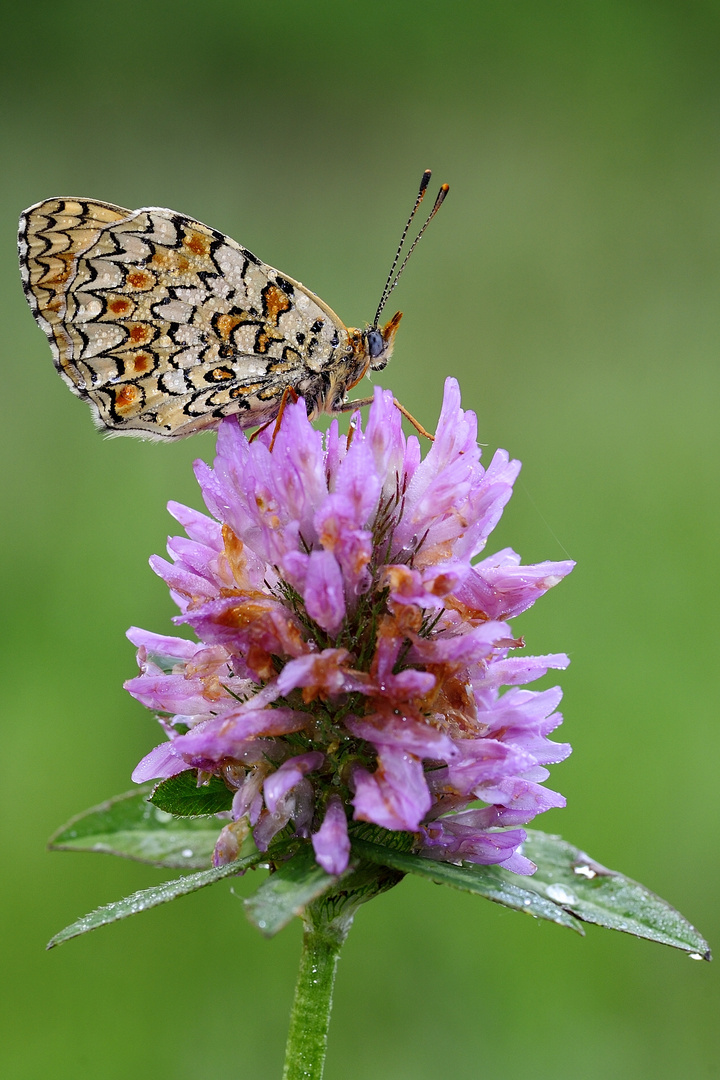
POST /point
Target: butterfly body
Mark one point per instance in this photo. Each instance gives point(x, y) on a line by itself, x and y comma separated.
point(165, 326)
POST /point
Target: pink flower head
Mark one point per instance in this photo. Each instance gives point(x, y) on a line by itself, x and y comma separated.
point(354, 659)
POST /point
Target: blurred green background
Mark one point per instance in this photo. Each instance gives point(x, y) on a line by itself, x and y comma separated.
point(571, 283)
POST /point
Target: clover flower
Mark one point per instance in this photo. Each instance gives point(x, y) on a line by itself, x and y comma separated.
point(353, 661)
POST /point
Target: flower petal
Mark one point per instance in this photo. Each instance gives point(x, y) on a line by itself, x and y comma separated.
point(331, 842)
point(396, 795)
point(288, 775)
point(323, 593)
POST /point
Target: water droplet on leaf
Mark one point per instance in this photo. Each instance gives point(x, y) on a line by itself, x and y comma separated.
point(560, 895)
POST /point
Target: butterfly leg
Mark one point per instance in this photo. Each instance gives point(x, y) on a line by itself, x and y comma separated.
point(288, 392)
point(351, 406)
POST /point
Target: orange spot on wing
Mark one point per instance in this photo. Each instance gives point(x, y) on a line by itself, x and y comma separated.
point(126, 397)
point(265, 339)
point(245, 391)
point(139, 333)
point(119, 306)
point(225, 324)
point(276, 302)
point(142, 362)
point(199, 245)
point(140, 279)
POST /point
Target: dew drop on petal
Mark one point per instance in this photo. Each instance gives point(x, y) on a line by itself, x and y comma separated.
point(585, 871)
point(695, 956)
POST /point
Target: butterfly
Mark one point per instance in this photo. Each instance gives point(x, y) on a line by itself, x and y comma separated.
point(166, 326)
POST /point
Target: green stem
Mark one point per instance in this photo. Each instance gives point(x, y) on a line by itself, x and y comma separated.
point(310, 1016)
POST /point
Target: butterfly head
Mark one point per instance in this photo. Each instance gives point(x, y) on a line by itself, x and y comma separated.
point(379, 342)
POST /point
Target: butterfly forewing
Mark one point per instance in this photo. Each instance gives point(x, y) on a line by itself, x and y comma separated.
point(164, 325)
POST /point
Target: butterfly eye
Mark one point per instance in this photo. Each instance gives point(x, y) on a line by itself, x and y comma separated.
point(375, 343)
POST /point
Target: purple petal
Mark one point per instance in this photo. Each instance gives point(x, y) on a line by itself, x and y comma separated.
point(243, 624)
point(226, 735)
point(474, 645)
point(501, 588)
point(159, 764)
point(172, 648)
point(323, 593)
point(422, 740)
point(198, 526)
point(288, 775)
point(182, 581)
point(172, 694)
point(357, 486)
point(323, 672)
point(480, 819)
point(445, 839)
point(335, 450)
point(247, 800)
point(396, 795)
point(299, 467)
point(483, 762)
point(404, 686)
point(269, 826)
point(519, 794)
point(197, 559)
point(385, 438)
point(297, 805)
point(518, 670)
point(331, 842)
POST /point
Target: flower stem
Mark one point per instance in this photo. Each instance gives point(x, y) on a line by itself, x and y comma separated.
point(310, 1016)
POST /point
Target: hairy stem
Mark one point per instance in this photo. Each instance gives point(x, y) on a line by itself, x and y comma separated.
point(310, 1016)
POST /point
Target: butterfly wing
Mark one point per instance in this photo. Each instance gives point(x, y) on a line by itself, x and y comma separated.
point(164, 326)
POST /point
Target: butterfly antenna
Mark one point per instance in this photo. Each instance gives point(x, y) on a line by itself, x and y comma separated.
point(425, 180)
point(438, 203)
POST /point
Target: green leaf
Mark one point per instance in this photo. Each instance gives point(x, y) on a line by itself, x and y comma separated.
point(181, 796)
point(568, 886)
point(149, 898)
point(592, 893)
point(488, 881)
point(376, 834)
point(288, 891)
point(129, 826)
